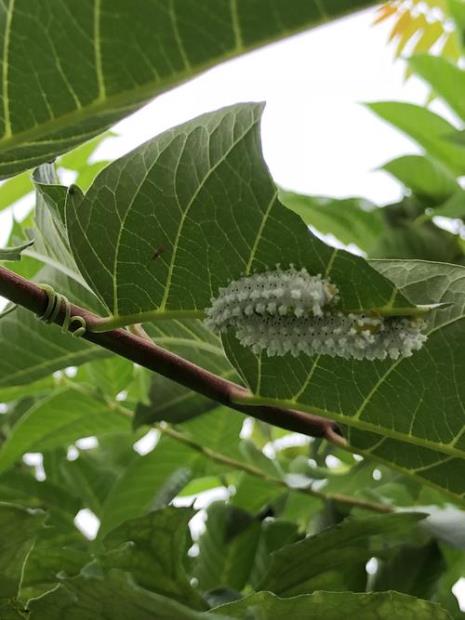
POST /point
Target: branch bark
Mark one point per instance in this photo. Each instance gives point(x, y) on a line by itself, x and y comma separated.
point(147, 354)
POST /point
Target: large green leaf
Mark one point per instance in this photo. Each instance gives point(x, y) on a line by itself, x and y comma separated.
point(335, 558)
point(88, 64)
point(19, 527)
point(50, 232)
point(56, 421)
point(56, 551)
point(430, 130)
point(99, 597)
point(331, 605)
point(414, 570)
point(153, 548)
point(424, 176)
point(39, 388)
point(351, 220)
point(227, 548)
point(408, 413)
point(9, 610)
point(33, 350)
point(21, 487)
point(454, 207)
point(275, 533)
point(164, 227)
point(152, 480)
point(445, 78)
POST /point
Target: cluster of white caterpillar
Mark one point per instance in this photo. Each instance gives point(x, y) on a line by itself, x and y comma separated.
point(289, 311)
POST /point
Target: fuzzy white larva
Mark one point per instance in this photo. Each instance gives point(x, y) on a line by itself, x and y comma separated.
point(289, 312)
point(280, 292)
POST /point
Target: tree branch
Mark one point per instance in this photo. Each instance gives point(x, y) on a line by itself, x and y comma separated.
point(147, 354)
point(222, 459)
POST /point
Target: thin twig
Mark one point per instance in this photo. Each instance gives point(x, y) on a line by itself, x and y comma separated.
point(222, 459)
point(147, 354)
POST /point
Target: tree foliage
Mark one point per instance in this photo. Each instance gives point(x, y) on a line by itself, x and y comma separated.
point(226, 483)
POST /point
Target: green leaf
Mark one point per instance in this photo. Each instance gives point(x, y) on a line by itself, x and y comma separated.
point(424, 176)
point(406, 413)
point(32, 349)
point(59, 420)
point(50, 231)
point(413, 570)
point(454, 207)
point(335, 559)
point(39, 388)
point(275, 534)
point(151, 481)
point(254, 494)
point(78, 76)
point(153, 549)
point(57, 551)
point(419, 240)
point(330, 605)
point(352, 220)
point(168, 246)
point(21, 487)
point(20, 234)
point(227, 548)
point(457, 10)
point(19, 527)
point(445, 78)
point(10, 610)
point(14, 189)
point(430, 130)
point(93, 474)
point(14, 253)
point(115, 596)
point(109, 376)
point(90, 479)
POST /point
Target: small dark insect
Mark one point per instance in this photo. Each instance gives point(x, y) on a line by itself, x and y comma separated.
point(158, 251)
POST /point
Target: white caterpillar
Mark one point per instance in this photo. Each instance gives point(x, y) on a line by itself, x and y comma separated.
point(289, 312)
point(273, 293)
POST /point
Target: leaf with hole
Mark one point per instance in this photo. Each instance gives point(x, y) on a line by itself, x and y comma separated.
point(153, 246)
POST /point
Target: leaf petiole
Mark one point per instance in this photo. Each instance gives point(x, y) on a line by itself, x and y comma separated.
point(106, 324)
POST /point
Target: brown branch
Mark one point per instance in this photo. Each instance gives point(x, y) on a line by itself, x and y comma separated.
point(147, 354)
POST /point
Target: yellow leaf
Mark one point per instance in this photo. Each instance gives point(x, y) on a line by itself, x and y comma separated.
point(402, 24)
point(432, 33)
point(387, 10)
point(451, 48)
point(417, 24)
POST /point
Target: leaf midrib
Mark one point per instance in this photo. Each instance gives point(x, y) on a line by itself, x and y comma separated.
point(185, 213)
point(130, 98)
